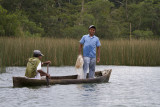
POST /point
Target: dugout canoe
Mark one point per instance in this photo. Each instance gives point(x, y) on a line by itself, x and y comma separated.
point(100, 76)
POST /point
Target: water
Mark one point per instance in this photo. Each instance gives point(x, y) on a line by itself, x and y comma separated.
point(128, 87)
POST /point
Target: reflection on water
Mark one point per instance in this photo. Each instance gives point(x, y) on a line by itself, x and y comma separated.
point(128, 87)
point(2, 69)
point(87, 87)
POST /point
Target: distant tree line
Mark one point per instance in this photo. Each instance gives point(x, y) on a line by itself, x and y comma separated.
point(71, 18)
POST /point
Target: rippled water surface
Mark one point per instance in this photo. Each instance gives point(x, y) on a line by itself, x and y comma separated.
point(128, 87)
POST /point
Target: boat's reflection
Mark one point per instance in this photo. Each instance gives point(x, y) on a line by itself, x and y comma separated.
point(87, 87)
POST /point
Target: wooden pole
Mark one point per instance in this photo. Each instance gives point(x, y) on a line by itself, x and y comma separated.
point(82, 11)
point(47, 79)
point(130, 32)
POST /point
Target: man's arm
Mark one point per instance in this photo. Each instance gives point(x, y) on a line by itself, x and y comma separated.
point(47, 62)
point(80, 48)
point(98, 57)
point(42, 73)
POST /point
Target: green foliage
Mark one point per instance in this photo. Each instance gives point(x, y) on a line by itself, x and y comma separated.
point(67, 18)
point(142, 34)
point(9, 23)
point(75, 31)
point(30, 28)
point(101, 12)
point(16, 24)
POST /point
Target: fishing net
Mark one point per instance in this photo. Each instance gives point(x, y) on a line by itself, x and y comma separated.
point(79, 67)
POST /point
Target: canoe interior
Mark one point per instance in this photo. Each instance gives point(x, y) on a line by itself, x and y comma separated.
point(97, 74)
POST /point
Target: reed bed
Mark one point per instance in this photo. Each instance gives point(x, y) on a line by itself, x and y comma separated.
point(63, 52)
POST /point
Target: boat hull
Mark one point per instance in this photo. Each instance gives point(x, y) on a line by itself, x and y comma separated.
point(101, 76)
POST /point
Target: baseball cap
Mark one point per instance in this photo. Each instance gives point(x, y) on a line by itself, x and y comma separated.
point(37, 52)
point(92, 26)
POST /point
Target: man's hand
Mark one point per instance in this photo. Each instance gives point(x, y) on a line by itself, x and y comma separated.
point(47, 62)
point(47, 75)
point(98, 60)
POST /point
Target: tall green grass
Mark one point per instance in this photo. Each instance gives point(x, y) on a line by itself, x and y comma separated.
point(134, 52)
point(16, 51)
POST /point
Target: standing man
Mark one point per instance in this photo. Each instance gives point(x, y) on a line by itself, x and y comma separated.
point(34, 69)
point(89, 43)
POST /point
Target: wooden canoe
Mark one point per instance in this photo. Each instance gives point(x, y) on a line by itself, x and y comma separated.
point(100, 76)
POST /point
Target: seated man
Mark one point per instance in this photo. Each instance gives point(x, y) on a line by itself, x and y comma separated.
point(33, 69)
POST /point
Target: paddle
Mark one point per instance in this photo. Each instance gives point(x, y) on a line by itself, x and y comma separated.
point(47, 79)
